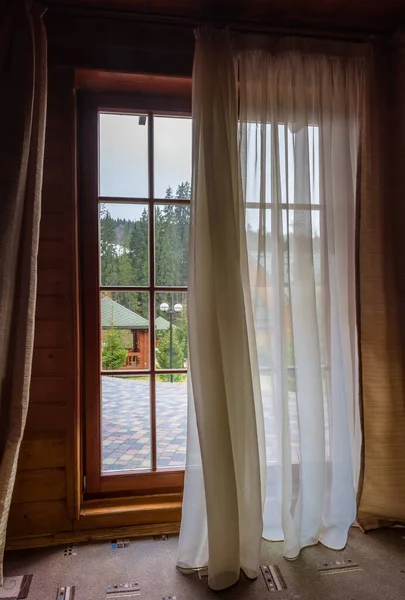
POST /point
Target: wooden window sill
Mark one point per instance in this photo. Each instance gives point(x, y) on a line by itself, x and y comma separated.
point(131, 512)
point(117, 506)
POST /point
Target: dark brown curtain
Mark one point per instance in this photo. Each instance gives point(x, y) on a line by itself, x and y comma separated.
point(23, 78)
point(382, 291)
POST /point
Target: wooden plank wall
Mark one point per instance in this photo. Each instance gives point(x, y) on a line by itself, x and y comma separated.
point(47, 494)
point(43, 500)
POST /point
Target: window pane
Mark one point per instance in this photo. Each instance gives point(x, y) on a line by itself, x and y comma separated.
point(171, 421)
point(172, 152)
point(124, 251)
point(172, 224)
point(124, 330)
point(171, 333)
point(126, 431)
point(123, 155)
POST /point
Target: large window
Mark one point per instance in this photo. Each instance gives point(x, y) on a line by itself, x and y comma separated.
point(136, 178)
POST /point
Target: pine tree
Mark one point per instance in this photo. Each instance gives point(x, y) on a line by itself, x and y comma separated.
point(125, 274)
point(139, 258)
point(109, 263)
point(183, 191)
point(161, 267)
point(182, 332)
point(169, 193)
point(139, 249)
point(163, 351)
point(182, 216)
point(168, 244)
point(113, 352)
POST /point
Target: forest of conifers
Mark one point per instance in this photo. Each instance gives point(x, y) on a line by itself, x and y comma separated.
point(124, 261)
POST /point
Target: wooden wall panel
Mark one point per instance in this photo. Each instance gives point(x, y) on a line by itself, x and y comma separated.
point(44, 492)
point(49, 418)
point(36, 518)
point(51, 281)
point(40, 484)
point(55, 169)
point(48, 391)
point(56, 199)
point(42, 453)
point(50, 308)
point(120, 45)
point(49, 361)
point(52, 255)
point(51, 334)
point(53, 226)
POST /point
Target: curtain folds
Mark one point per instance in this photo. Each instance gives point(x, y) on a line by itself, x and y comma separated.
point(299, 139)
point(274, 432)
point(219, 349)
point(382, 288)
point(23, 77)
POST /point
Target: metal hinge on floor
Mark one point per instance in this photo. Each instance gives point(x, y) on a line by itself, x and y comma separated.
point(84, 483)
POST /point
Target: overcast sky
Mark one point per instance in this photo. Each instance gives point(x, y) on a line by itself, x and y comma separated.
point(124, 158)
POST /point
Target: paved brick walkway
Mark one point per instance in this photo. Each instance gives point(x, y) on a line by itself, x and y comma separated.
point(126, 425)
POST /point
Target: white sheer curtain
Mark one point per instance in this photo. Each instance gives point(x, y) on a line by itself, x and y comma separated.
point(222, 525)
point(272, 265)
point(299, 140)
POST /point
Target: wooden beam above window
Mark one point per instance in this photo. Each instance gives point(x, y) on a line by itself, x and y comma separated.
point(106, 81)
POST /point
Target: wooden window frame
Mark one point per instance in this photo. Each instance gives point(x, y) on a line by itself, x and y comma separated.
point(89, 105)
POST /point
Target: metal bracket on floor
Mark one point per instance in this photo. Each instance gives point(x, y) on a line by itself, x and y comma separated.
point(119, 544)
point(123, 590)
point(273, 578)
point(66, 593)
point(339, 566)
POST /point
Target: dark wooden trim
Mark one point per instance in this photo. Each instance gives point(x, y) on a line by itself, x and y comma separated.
point(127, 200)
point(107, 82)
point(143, 372)
point(141, 483)
point(88, 173)
point(74, 468)
point(140, 288)
point(152, 349)
point(138, 103)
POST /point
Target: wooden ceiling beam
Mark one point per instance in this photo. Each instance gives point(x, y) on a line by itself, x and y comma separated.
point(374, 16)
point(105, 81)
